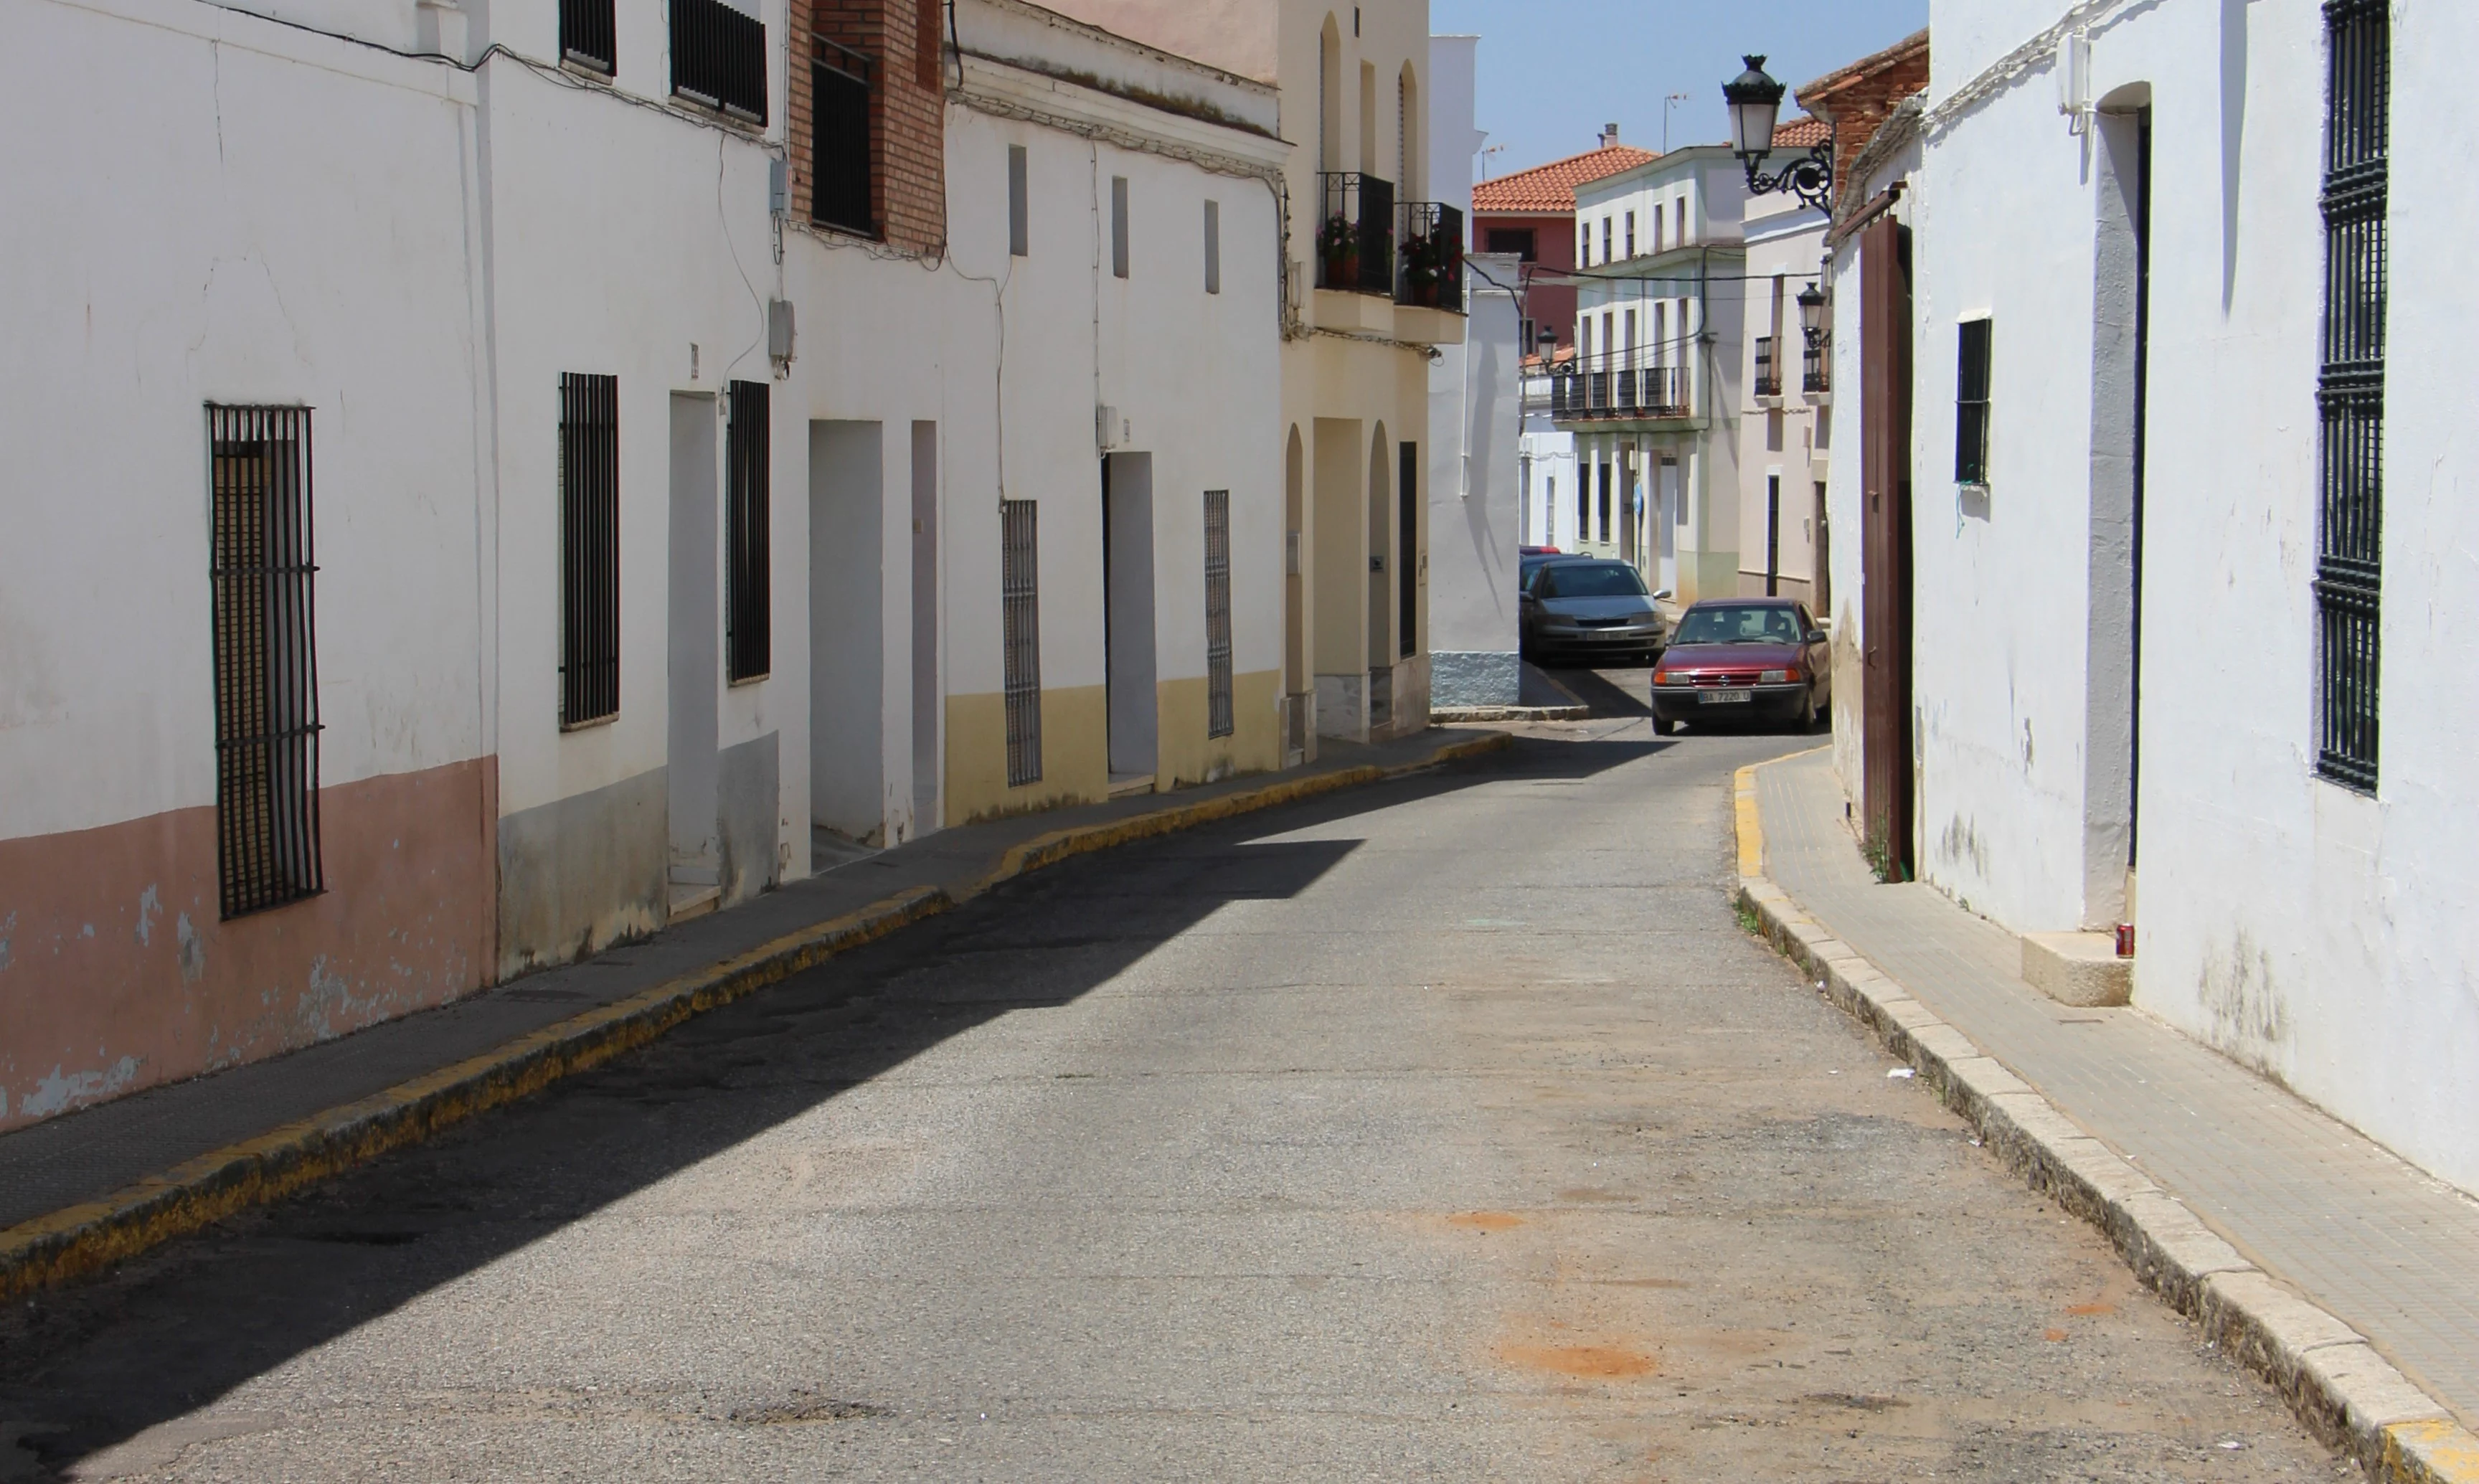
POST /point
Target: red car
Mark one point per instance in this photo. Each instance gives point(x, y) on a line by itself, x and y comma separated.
point(1742, 659)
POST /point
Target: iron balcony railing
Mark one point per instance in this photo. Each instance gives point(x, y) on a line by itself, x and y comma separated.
point(719, 58)
point(1355, 233)
point(1768, 367)
point(1430, 265)
point(1584, 388)
point(1816, 362)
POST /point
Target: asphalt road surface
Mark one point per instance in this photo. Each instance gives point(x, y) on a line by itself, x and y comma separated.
point(1447, 1130)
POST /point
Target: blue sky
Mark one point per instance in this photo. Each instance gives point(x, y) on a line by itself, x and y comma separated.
point(1553, 71)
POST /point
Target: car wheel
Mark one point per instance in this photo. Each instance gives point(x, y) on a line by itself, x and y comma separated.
point(1808, 713)
point(1665, 727)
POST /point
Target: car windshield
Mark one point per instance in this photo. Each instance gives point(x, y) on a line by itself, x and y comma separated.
point(1590, 579)
point(1732, 624)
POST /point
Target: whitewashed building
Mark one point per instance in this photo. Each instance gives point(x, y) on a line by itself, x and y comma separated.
point(2188, 605)
point(494, 483)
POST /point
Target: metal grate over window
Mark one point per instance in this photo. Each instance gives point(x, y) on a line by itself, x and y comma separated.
point(588, 33)
point(1971, 402)
point(589, 548)
point(265, 658)
point(748, 552)
point(1020, 592)
point(2350, 394)
point(1407, 548)
point(841, 188)
point(719, 58)
point(1218, 721)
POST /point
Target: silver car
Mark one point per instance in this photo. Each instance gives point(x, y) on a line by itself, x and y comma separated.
point(1590, 613)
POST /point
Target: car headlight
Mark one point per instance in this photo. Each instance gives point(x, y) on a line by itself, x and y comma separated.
point(1773, 677)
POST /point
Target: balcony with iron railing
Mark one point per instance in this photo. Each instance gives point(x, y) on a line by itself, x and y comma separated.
point(1816, 364)
point(1609, 387)
point(1430, 262)
point(1355, 241)
point(1768, 367)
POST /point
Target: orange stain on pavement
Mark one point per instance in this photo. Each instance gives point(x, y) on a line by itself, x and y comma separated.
point(1584, 1362)
point(1487, 1220)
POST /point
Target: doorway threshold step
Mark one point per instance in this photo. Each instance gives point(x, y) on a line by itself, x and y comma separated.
point(692, 901)
point(1125, 784)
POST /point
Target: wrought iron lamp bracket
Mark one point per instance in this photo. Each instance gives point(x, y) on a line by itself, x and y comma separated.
point(1809, 178)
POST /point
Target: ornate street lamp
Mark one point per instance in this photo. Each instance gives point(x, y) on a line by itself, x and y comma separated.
point(1755, 108)
point(1811, 315)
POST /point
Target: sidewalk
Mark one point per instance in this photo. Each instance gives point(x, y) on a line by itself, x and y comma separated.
point(93, 1187)
point(2299, 1199)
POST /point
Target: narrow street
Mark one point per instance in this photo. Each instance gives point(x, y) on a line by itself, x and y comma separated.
point(1451, 1129)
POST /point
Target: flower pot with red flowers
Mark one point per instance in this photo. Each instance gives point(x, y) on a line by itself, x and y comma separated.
point(1339, 246)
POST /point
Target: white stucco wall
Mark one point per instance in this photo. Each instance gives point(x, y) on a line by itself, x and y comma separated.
point(2309, 931)
point(192, 244)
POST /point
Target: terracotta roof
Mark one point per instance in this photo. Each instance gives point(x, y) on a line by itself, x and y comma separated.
point(1802, 134)
point(1551, 187)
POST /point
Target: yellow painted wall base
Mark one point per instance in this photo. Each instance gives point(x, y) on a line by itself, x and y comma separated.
point(1188, 756)
point(1075, 754)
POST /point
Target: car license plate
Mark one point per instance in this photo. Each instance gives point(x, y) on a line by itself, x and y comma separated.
point(1713, 698)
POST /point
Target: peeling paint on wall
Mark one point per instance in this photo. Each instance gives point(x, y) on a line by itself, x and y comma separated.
point(188, 949)
point(2245, 1013)
point(60, 1092)
point(150, 906)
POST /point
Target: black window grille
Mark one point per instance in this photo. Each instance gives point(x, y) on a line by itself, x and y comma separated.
point(1020, 593)
point(589, 33)
point(1218, 720)
point(749, 614)
point(589, 548)
point(719, 58)
point(1768, 367)
point(1019, 203)
point(1971, 403)
point(1815, 363)
point(1118, 226)
point(1213, 247)
point(841, 187)
point(1407, 548)
point(265, 658)
point(1522, 242)
point(2349, 558)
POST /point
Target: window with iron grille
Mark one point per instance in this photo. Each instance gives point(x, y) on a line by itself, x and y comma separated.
point(1019, 204)
point(719, 58)
point(589, 548)
point(1118, 226)
point(589, 33)
point(265, 657)
point(1020, 594)
point(1971, 403)
point(749, 612)
point(842, 190)
point(2350, 393)
point(1213, 247)
point(1218, 721)
point(1406, 550)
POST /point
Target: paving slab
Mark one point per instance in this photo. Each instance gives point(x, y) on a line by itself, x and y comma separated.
point(2388, 1250)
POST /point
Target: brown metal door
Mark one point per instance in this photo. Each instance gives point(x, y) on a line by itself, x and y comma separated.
point(1885, 556)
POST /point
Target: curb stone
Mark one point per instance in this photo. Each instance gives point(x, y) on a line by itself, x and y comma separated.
point(2351, 1397)
point(91, 1235)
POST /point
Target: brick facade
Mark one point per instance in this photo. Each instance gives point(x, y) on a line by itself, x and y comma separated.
point(908, 111)
point(1857, 100)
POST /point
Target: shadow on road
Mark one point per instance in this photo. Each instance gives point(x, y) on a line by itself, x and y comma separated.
point(1606, 697)
point(89, 1367)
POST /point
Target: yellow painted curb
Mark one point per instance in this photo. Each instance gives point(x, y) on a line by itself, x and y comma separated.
point(1751, 824)
point(2431, 1452)
point(91, 1236)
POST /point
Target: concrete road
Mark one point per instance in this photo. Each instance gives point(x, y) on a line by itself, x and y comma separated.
point(1451, 1130)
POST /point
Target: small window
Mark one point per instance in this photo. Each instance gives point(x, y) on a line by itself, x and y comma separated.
point(587, 34)
point(1971, 404)
point(1522, 242)
point(1218, 719)
point(719, 58)
point(1630, 234)
point(841, 187)
point(1019, 205)
point(1213, 247)
point(260, 575)
point(589, 548)
point(1118, 226)
point(1020, 598)
point(1678, 211)
point(1605, 239)
point(748, 617)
